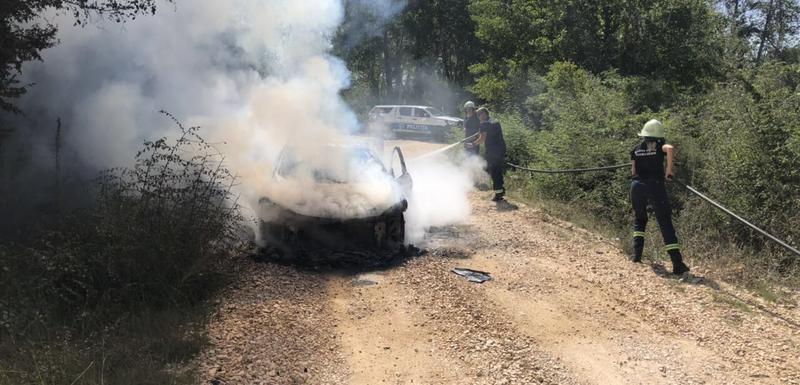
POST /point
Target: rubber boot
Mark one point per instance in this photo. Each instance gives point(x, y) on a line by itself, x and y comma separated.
point(499, 196)
point(678, 267)
point(638, 247)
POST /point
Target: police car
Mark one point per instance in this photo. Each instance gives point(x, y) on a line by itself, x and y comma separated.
point(416, 120)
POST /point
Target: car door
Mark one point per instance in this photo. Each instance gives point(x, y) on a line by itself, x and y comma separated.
point(420, 120)
point(405, 119)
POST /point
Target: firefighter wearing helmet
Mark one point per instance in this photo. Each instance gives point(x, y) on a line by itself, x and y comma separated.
point(648, 186)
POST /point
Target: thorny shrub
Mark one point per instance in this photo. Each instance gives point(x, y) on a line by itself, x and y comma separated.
point(153, 242)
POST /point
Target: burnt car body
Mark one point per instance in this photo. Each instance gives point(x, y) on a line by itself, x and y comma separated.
point(346, 204)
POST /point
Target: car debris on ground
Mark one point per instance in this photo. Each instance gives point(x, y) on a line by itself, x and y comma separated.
point(473, 275)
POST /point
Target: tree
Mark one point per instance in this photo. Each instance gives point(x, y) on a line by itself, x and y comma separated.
point(762, 29)
point(24, 33)
point(425, 40)
point(780, 22)
point(676, 41)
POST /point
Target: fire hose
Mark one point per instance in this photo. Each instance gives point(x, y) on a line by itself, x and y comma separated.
point(740, 219)
point(445, 149)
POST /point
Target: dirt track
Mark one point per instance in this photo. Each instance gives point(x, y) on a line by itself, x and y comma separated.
point(564, 307)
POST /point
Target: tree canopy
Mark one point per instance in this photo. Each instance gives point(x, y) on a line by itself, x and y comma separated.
point(491, 46)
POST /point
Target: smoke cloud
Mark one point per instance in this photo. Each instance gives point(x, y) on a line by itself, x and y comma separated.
point(254, 74)
point(441, 189)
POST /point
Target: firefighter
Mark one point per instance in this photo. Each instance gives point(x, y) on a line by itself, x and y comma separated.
point(649, 176)
point(491, 134)
point(471, 126)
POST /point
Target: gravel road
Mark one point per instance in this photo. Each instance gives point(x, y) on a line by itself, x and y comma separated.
point(564, 307)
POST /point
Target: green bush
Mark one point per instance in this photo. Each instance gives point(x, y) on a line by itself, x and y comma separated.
point(585, 121)
point(742, 137)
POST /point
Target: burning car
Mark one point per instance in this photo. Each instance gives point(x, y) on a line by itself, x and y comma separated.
point(334, 200)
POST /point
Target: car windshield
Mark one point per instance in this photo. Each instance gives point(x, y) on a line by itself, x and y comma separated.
point(434, 111)
point(381, 110)
point(332, 164)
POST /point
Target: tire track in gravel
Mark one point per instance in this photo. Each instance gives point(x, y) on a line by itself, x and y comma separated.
point(422, 324)
point(563, 311)
point(474, 329)
point(383, 338)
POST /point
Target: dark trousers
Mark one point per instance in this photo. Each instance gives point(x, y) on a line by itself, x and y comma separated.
point(496, 169)
point(655, 193)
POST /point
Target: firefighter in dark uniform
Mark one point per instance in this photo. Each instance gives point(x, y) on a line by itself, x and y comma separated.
point(471, 126)
point(491, 134)
point(649, 176)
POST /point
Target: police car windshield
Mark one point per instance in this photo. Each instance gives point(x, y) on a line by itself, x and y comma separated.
point(434, 111)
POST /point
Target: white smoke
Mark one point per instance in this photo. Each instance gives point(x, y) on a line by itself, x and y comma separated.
point(441, 189)
point(254, 74)
point(263, 62)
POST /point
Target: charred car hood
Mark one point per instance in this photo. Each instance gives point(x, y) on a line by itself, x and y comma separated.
point(332, 200)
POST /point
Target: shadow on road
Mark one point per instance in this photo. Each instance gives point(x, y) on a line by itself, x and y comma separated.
point(348, 262)
point(504, 205)
point(660, 270)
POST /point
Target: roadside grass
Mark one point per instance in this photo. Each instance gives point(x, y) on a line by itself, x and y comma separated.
point(152, 347)
point(574, 213)
point(677, 285)
point(453, 134)
point(732, 302)
point(773, 293)
point(765, 291)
